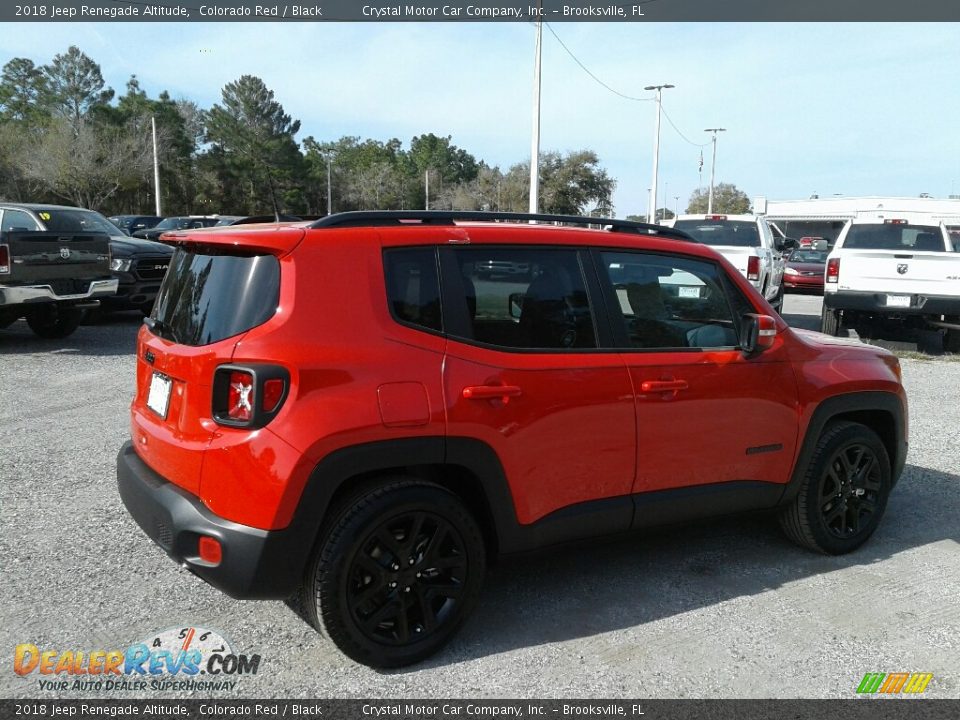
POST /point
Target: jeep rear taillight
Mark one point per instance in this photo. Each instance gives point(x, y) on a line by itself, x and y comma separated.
point(248, 396)
point(753, 268)
point(833, 270)
point(4, 259)
point(240, 396)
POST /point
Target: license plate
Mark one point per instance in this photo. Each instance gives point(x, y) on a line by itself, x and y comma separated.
point(689, 292)
point(159, 398)
point(898, 301)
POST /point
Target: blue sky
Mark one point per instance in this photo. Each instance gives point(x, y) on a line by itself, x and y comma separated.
point(857, 109)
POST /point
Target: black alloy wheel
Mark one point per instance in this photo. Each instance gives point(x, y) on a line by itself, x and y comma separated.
point(843, 492)
point(406, 578)
point(850, 490)
point(398, 569)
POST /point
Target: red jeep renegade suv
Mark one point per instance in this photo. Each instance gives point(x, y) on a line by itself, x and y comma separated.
point(356, 413)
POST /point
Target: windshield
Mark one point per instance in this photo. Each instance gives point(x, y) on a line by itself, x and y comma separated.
point(731, 233)
point(59, 220)
point(894, 236)
point(208, 297)
point(172, 223)
point(808, 256)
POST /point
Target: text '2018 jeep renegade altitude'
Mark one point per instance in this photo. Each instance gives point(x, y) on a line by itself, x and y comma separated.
point(356, 414)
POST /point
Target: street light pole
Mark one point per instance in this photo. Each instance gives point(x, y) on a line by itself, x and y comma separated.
point(713, 165)
point(329, 189)
point(535, 140)
point(652, 212)
point(156, 166)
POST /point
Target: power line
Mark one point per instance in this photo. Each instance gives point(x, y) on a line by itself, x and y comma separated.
point(699, 145)
point(617, 92)
point(587, 71)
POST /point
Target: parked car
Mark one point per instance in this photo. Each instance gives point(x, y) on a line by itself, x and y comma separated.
point(255, 219)
point(132, 223)
point(187, 222)
point(804, 271)
point(54, 265)
point(139, 266)
point(746, 241)
point(341, 414)
point(894, 268)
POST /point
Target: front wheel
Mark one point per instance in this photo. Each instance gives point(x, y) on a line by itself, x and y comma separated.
point(396, 574)
point(844, 492)
point(53, 322)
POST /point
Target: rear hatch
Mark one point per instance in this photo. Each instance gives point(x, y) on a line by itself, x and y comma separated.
point(214, 292)
point(68, 262)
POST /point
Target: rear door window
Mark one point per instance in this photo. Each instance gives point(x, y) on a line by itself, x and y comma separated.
point(17, 220)
point(206, 296)
point(523, 298)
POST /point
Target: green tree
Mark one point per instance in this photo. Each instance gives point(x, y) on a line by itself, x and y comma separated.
point(255, 153)
point(726, 199)
point(23, 90)
point(572, 184)
point(74, 86)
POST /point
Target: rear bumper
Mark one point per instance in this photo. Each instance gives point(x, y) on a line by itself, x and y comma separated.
point(24, 294)
point(256, 564)
point(876, 303)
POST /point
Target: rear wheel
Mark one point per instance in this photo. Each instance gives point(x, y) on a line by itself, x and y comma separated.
point(53, 322)
point(844, 492)
point(396, 574)
point(830, 321)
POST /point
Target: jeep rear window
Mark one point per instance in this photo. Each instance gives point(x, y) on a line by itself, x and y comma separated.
point(894, 236)
point(731, 233)
point(206, 296)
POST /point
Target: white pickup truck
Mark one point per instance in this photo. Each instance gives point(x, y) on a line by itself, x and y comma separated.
point(748, 243)
point(901, 268)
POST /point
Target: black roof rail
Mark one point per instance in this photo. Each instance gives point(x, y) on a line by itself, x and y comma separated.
point(381, 218)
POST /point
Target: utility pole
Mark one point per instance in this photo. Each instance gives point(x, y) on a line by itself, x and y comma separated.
point(713, 166)
point(329, 188)
point(652, 212)
point(676, 207)
point(156, 166)
point(535, 140)
point(426, 185)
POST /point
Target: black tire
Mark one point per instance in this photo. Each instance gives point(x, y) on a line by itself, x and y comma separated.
point(52, 322)
point(777, 302)
point(951, 343)
point(830, 321)
point(397, 572)
point(844, 492)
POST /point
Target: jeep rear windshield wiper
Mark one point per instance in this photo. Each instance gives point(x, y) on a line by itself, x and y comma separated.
point(158, 327)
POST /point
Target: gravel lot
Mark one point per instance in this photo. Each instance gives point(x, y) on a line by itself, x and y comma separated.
point(726, 609)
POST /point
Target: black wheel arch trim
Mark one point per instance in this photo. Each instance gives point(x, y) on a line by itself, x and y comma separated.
point(853, 406)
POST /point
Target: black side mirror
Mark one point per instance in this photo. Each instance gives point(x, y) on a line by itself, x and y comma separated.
point(789, 244)
point(757, 333)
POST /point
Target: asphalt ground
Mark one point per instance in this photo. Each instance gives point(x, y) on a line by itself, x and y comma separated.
point(724, 609)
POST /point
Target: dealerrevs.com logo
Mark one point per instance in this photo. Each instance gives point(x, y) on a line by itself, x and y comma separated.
point(894, 683)
point(182, 659)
